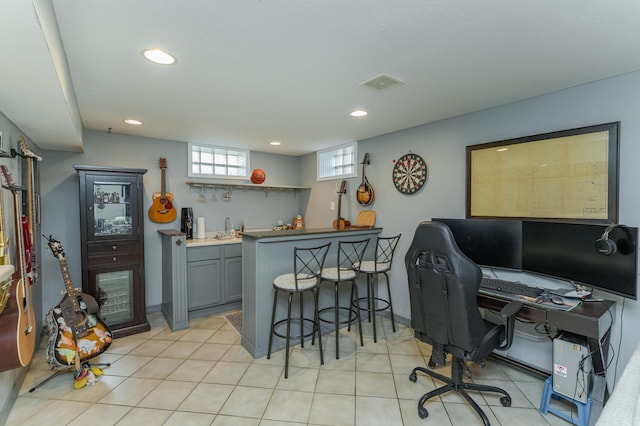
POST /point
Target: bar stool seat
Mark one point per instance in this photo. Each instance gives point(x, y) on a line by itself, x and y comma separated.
point(307, 266)
point(334, 274)
point(287, 282)
point(350, 254)
point(385, 247)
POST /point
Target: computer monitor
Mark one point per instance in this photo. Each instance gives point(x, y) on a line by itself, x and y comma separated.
point(488, 242)
point(567, 250)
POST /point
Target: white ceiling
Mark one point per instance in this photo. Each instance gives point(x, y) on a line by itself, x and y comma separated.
point(251, 71)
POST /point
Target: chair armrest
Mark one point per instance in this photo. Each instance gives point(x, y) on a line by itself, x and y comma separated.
point(511, 309)
point(507, 316)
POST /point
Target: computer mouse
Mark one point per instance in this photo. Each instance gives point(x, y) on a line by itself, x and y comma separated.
point(557, 300)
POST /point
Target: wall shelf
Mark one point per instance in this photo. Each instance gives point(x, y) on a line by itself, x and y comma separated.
point(230, 187)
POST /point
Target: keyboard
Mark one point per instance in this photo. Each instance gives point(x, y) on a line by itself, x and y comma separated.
point(514, 287)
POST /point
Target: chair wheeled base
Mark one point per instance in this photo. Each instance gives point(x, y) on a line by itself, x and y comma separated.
point(455, 383)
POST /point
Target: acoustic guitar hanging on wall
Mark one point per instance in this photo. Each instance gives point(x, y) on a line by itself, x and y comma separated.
point(18, 322)
point(339, 222)
point(365, 193)
point(162, 210)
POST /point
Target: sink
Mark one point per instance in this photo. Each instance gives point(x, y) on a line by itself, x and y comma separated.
point(225, 238)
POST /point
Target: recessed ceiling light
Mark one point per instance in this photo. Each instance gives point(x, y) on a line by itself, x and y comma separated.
point(133, 122)
point(274, 143)
point(159, 56)
point(359, 113)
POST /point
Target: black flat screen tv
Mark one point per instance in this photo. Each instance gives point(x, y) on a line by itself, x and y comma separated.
point(488, 242)
point(567, 251)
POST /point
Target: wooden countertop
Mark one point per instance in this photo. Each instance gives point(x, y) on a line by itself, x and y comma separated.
point(303, 232)
point(261, 234)
point(199, 242)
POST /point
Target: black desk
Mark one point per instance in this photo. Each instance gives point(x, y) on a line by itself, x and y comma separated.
point(592, 320)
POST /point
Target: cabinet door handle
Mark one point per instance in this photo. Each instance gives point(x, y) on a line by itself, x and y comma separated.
point(114, 247)
point(178, 242)
point(115, 259)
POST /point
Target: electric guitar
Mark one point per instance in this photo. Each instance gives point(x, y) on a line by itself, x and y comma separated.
point(5, 259)
point(28, 250)
point(76, 332)
point(17, 328)
point(365, 193)
point(162, 210)
point(340, 223)
point(29, 220)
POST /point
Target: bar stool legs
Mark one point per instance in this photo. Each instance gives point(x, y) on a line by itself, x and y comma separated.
point(301, 319)
point(385, 247)
point(308, 264)
point(349, 259)
point(353, 314)
point(372, 301)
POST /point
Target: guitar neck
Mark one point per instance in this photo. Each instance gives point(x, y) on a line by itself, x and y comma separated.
point(343, 190)
point(17, 223)
point(21, 256)
point(30, 199)
point(30, 157)
point(4, 241)
point(68, 284)
point(162, 184)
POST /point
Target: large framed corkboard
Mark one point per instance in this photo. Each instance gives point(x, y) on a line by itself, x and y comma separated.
point(569, 175)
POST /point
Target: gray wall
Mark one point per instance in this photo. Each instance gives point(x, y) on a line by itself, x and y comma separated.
point(10, 134)
point(442, 145)
point(60, 209)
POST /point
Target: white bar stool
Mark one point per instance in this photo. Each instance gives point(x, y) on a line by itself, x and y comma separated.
point(385, 247)
point(350, 254)
point(307, 265)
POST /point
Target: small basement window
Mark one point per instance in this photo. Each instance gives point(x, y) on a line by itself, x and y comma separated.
point(337, 162)
point(217, 161)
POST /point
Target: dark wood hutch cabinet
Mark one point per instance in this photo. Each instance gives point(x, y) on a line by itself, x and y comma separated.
point(112, 237)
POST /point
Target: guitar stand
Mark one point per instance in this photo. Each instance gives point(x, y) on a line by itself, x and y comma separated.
point(71, 369)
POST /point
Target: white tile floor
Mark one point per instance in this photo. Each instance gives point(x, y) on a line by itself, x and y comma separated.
point(203, 376)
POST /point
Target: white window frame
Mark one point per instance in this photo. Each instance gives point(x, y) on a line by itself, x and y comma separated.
point(223, 151)
point(331, 164)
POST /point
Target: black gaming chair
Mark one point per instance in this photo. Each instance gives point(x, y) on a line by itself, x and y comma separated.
point(443, 289)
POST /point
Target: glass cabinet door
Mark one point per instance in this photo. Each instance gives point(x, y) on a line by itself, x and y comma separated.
point(115, 291)
point(111, 208)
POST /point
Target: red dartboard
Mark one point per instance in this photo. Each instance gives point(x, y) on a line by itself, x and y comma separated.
point(410, 173)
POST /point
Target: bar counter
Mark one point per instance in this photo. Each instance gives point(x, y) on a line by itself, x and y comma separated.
point(267, 254)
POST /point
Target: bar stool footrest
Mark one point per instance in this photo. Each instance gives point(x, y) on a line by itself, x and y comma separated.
point(331, 309)
point(296, 320)
point(385, 304)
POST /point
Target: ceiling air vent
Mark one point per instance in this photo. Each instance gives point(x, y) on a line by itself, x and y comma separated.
point(382, 81)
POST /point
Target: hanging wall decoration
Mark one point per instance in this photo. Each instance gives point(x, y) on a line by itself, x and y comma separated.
point(410, 173)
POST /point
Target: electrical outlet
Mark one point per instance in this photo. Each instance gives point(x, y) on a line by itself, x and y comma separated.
point(332, 206)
